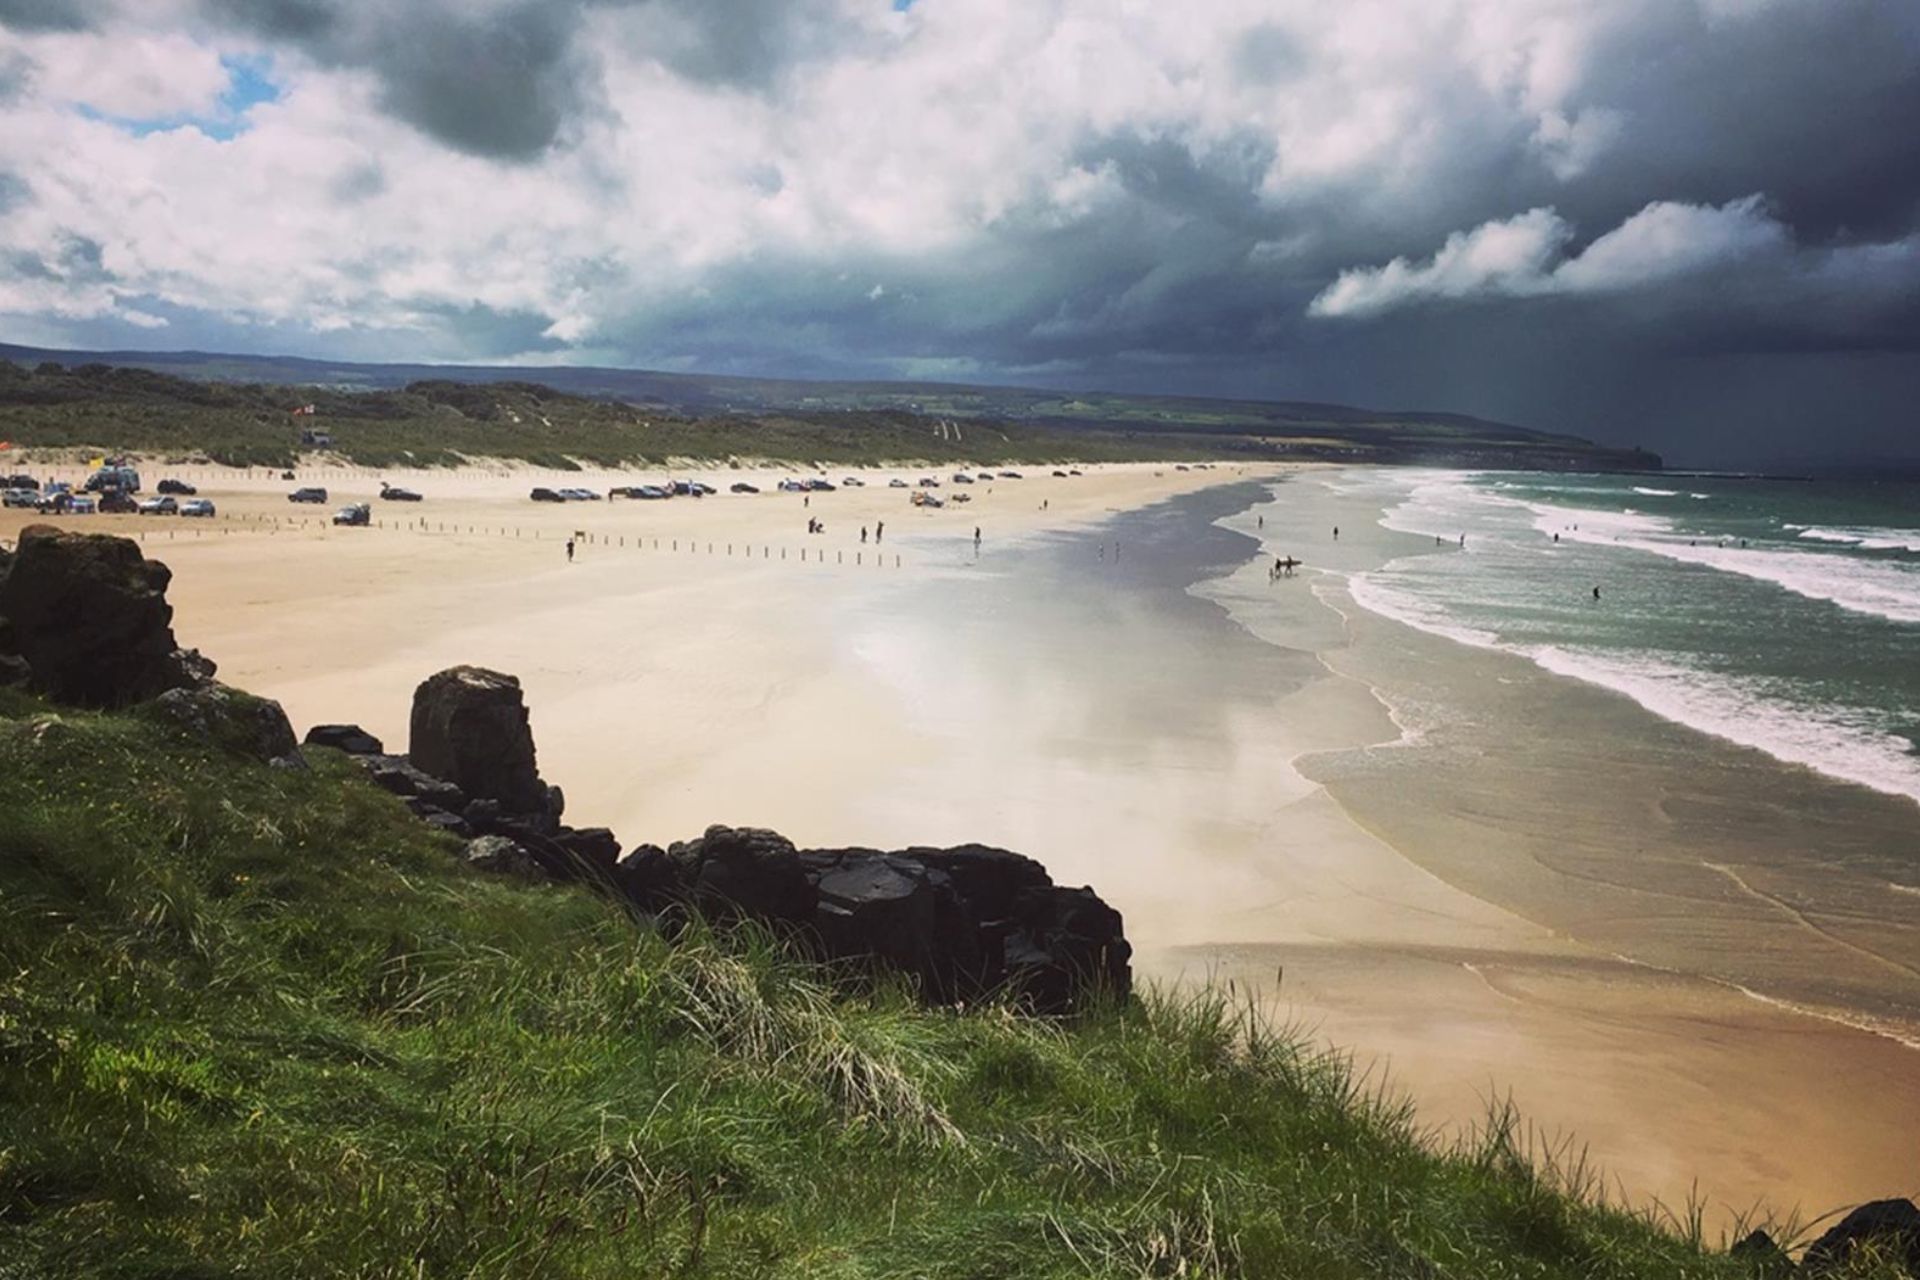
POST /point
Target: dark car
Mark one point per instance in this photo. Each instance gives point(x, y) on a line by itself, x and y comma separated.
point(115, 503)
point(1009, 475)
point(357, 515)
point(1059, 475)
point(649, 492)
point(821, 486)
point(27, 483)
point(108, 479)
point(180, 487)
point(741, 486)
point(311, 494)
point(545, 495)
point(394, 493)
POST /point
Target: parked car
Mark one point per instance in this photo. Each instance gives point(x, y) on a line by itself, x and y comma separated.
point(180, 487)
point(741, 486)
point(961, 477)
point(896, 483)
point(962, 497)
point(115, 503)
point(1060, 475)
point(579, 495)
point(852, 482)
point(793, 486)
point(820, 485)
point(312, 494)
point(545, 495)
point(648, 492)
point(197, 507)
point(1010, 475)
point(20, 482)
point(125, 479)
point(83, 505)
point(928, 482)
point(164, 505)
point(19, 498)
point(54, 502)
point(701, 489)
point(357, 515)
point(1073, 473)
point(394, 493)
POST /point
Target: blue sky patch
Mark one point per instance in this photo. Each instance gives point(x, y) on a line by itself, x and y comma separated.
point(249, 83)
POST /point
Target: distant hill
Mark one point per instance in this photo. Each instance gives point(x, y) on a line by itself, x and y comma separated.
point(126, 392)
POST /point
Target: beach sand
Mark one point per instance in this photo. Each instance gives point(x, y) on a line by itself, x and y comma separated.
point(1112, 685)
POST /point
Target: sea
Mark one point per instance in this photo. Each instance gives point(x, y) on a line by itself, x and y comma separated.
point(1783, 615)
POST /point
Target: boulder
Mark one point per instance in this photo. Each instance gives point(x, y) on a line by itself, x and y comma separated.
point(231, 720)
point(1762, 1255)
point(350, 738)
point(1890, 1226)
point(902, 913)
point(398, 775)
point(649, 879)
point(745, 872)
point(470, 727)
point(89, 617)
point(502, 856)
point(594, 852)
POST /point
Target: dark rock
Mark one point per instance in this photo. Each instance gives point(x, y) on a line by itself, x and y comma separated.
point(502, 856)
point(350, 738)
point(904, 914)
point(231, 720)
point(482, 815)
point(1890, 1226)
point(398, 775)
point(1762, 1256)
point(649, 879)
point(470, 727)
point(451, 823)
point(89, 616)
point(593, 849)
point(745, 872)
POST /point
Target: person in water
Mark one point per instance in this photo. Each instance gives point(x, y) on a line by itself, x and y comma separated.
point(1596, 593)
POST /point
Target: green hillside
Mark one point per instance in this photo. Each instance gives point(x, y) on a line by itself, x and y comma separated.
point(235, 408)
point(264, 1023)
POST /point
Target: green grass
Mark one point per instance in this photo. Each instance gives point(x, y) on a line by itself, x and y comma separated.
point(261, 1023)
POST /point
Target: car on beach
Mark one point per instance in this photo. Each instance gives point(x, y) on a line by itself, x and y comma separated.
point(986, 475)
point(896, 483)
point(793, 486)
point(313, 494)
point(181, 487)
point(164, 505)
point(1072, 472)
point(852, 482)
point(20, 482)
point(19, 498)
point(1059, 475)
point(820, 486)
point(928, 482)
point(54, 502)
point(648, 492)
point(1010, 475)
point(115, 503)
point(961, 497)
point(393, 493)
point(83, 505)
point(200, 507)
point(358, 515)
point(961, 477)
point(545, 495)
point(125, 479)
point(741, 486)
point(580, 495)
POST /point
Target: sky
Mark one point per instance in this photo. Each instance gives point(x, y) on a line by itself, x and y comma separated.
point(1692, 225)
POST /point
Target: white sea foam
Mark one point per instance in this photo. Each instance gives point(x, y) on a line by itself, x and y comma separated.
point(1869, 538)
point(1657, 493)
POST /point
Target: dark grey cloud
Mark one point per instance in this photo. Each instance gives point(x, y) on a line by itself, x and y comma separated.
point(45, 15)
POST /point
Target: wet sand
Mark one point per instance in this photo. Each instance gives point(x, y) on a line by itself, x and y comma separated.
point(1113, 686)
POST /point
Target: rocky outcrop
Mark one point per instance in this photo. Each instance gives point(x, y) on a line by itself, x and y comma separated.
point(1888, 1228)
point(470, 727)
point(745, 872)
point(88, 617)
point(232, 721)
point(350, 738)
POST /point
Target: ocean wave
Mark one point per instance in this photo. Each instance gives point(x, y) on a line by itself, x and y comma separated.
point(1875, 587)
point(1829, 740)
point(1865, 539)
point(1657, 493)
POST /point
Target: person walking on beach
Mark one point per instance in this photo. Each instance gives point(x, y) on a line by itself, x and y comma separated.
point(1263, 522)
point(879, 528)
point(863, 535)
point(569, 550)
point(976, 537)
point(1336, 533)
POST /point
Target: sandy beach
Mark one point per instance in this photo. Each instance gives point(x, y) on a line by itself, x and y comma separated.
point(1112, 685)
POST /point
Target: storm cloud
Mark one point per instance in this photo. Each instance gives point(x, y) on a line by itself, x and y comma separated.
point(1616, 218)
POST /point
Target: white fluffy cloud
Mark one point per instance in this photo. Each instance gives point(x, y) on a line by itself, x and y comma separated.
point(1522, 257)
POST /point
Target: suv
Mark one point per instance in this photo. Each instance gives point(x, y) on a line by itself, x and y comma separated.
point(125, 479)
point(115, 503)
point(164, 505)
point(545, 495)
point(196, 507)
point(20, 482)
point(316, 495)
point(180, 487)
point(357, 515)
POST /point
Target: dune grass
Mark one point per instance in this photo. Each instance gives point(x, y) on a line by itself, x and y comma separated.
point(263, 1023)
